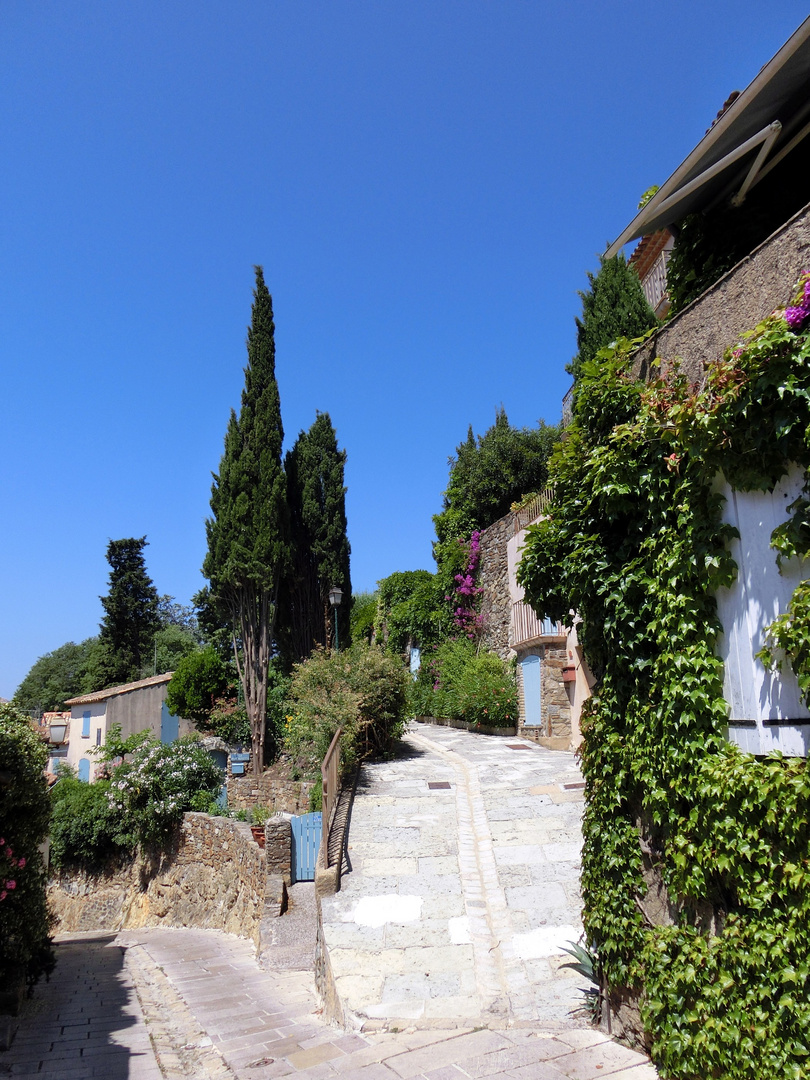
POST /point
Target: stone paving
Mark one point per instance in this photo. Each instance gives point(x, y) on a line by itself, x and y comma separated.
point(177, 1003)
point(464, 886)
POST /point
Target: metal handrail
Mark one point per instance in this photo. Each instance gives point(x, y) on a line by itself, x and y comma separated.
point(330, 779)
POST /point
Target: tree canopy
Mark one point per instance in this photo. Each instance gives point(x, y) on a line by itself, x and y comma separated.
point(55, 677)
point(491, 472)
point(131, 616)
point(320, 546)
point(248, 531)
point(613, 307)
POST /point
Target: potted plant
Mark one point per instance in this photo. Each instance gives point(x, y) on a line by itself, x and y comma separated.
point(259, 816)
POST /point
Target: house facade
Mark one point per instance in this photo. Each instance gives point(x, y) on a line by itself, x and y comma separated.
point(552, 677)
point(135, 707)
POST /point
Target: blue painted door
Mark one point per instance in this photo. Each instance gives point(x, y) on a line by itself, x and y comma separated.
point(530, 669)
point(169, 725)
point(306, 840)
point(221, 762)
point(84, 770)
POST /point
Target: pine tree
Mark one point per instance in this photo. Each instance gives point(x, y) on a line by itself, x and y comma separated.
point(317, 500)
point(248, 545)
point(614, 306)
point(131, 619)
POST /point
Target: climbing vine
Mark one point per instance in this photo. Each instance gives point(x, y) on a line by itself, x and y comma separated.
point(678, 820)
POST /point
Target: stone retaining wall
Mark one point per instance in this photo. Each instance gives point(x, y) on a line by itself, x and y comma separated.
point(714, 322)
point(275, 788)
point(214, 875)
point(493, 577)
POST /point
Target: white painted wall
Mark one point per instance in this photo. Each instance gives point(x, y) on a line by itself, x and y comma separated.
point(766, 711)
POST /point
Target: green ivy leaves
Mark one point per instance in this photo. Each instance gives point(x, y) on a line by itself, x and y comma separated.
point(635, 544)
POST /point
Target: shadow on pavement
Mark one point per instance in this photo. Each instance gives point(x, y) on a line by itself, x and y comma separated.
point(85, 1021)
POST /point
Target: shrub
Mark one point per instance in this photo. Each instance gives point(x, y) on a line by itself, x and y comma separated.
point(151, 792)
point(201, 678)
point(361, 690)
point(85, 830)
point(24, 921)
point(461, 683)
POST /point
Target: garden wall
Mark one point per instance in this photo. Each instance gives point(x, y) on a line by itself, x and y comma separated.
point(496, 606)
point(275, 789)
point(214, 876)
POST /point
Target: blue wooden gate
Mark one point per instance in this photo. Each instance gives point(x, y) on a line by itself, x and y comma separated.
point(306, 840)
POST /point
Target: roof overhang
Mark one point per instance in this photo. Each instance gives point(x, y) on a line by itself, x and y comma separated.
point(771, 114)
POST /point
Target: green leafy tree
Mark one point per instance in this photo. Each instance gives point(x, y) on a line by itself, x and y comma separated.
point(411, 610)
point(491, 472)
point(171, 644)
point(131, 616)
point(363, 614)
point(317, 501)
point(248, 532)
point(55, 677)
point(199, 681)
point(613, 307)
point(24, 811)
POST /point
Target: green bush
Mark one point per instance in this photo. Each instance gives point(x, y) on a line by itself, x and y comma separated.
point(461, 683)
point(85, 830)
point(150, 793)
point(24, 921)
point(201, 678)
point(361, 690)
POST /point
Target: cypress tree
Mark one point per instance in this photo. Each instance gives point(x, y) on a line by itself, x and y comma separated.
point(317, 500)
point(248, 544)
point(131, 618)
point(614, 306)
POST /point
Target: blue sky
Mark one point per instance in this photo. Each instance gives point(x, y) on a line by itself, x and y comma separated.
point(426, 184)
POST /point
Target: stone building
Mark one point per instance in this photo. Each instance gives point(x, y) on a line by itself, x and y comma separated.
point(136, 706)
point(552, 678)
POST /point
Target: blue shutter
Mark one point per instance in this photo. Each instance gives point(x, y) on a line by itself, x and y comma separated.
point(169, 725)
point(530, 669)
point(86, 725)
point(84, 770)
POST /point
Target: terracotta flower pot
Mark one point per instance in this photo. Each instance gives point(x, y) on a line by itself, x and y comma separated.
point(258, 834)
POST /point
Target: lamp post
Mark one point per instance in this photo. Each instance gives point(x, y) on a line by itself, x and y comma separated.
point(335, 596)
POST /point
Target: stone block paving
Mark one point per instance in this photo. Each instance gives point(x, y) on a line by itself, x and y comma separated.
point(214, 1014)
point(464, 886)
point(438, 915)
point(86, 1021)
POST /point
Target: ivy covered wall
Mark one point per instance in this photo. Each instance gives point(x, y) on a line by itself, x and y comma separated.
point(696, 865)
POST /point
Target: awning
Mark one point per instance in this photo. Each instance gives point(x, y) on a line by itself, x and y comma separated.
point(769, 118)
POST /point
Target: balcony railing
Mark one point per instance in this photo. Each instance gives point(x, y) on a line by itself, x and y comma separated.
point(534, 509)
point(525, 626)
point(655, 280)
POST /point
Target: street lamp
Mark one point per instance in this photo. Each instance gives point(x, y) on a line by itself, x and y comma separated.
point(57, 732)
point(335, 596)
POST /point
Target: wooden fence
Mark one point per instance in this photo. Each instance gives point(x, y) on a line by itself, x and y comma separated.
point(330, 776)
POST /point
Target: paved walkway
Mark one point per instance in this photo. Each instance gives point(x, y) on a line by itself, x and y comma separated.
point(464, 886)
point(211, 1013)
point(477, 881)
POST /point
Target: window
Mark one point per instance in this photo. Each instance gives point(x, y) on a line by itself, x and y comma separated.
point(86, 724)
point(98, 736)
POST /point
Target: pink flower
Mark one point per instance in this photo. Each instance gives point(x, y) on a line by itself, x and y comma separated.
point(21, 863)
point(11, 884)
point(3, 894)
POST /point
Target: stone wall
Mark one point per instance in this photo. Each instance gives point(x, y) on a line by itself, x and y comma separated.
point(214, 875)
point(702, 332)
point(275, 788)
point(496, 607)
